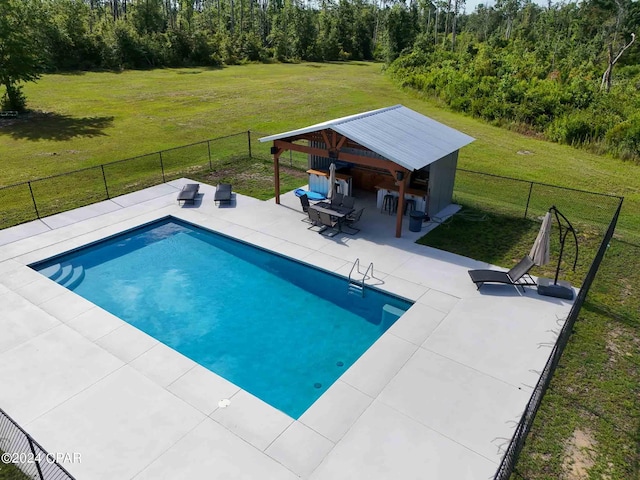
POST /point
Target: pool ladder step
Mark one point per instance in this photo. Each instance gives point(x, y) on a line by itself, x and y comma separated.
point(356, 286)
point(52, 272)
point(65, 274)
point(76, 278)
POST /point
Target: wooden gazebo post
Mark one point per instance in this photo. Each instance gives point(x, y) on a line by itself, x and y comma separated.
point(401, 176)
point(276, 171)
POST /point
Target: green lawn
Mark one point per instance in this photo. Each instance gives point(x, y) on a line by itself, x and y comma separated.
point(9, 471)
point(94, 118)
point(590, 418)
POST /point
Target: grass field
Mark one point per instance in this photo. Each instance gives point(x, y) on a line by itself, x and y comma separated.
point(93, 118)
point(8, 471)
point(589, 424)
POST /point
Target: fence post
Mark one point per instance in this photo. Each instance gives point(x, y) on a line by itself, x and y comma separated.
point(104, 179)
point(526, 210)
point(35, 206)
point(162, 167)
point(209, 150)
point(35, 458)
point(249, 142)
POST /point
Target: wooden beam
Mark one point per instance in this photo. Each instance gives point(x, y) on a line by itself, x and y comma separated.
point(322, 136)
point(342, 141)
point(326, 139)
point(276, 173)
point(402, 184)
point(349, 157)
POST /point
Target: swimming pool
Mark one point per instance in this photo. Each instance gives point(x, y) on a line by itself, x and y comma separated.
point(280, 329)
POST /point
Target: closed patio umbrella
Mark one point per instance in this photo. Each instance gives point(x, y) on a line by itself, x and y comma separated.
point(540, 250)
point(332, 180)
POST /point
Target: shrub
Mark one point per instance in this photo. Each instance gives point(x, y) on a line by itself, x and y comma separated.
point(14, 99)
point(624, 138)
point(581, 127)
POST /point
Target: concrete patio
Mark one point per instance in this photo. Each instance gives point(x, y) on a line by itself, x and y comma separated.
point(438, 396)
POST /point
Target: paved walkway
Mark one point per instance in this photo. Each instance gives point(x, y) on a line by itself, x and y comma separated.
point(438, 396)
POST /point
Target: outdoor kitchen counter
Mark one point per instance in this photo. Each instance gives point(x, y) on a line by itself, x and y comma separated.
point(419, 196)
point(319, 182)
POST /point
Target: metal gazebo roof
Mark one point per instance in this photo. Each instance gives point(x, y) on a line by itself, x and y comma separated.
point(397, 133)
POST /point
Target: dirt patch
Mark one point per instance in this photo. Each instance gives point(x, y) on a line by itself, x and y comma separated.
point(627, 288)
point(612, 346)
point(249, 175)
point(53, 154)
point(579, 455)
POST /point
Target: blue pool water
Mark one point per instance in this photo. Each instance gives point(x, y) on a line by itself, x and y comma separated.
point(279, 329)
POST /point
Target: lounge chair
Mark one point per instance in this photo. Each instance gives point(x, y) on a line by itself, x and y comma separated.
point(223, 193)
point(189, 193)
point(517, 276)
point(350, 219)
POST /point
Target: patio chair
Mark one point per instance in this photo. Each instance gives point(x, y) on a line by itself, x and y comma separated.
point(188, 193)
point(518, 276)
point(327, 221)
point(336, 200)
point(223, 193)
point(304, 201)
point(314, 220)
point(350, 219)
point(348, 201)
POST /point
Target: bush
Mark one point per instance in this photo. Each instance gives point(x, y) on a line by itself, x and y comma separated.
point(252, 48)
point(581, 127)
point(122, 47)
point(624, 138)
point(13, 99)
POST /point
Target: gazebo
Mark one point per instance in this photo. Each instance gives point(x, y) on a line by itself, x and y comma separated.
point(393, 150)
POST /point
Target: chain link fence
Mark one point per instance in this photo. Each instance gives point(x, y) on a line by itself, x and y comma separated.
point(507, 466)
point(58, 193)
point(20, 452)
point(588, 210)
point(594, 215)
point(291, 159)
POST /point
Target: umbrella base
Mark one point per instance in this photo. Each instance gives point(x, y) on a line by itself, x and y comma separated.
point(561, 289)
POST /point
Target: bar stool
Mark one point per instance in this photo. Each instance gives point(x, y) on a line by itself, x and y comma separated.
point(389, 203)
point(409, 203)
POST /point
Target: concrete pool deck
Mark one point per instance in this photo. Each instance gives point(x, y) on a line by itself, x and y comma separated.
point(438, 396)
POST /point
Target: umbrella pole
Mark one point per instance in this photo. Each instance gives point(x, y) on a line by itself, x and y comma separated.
point(562, 240)
point(562, 289)
point(563, 237)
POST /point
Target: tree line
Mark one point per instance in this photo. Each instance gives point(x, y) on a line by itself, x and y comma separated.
point(567, 71)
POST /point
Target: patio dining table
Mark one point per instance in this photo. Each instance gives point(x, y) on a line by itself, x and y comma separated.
point(338, 212)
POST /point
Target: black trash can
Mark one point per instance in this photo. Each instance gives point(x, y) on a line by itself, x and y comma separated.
point(415, 220)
